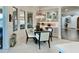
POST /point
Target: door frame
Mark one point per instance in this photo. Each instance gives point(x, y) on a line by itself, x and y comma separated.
point(77, 22)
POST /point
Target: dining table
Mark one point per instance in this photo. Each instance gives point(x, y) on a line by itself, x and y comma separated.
point(50, 34)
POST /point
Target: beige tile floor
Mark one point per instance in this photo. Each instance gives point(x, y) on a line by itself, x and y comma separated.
point(31, 47)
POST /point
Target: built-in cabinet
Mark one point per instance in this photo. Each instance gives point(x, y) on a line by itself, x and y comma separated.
point(1, 28)
point(72, 21)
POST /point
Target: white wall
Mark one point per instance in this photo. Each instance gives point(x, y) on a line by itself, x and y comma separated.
point(74, 22)
point(21, 35)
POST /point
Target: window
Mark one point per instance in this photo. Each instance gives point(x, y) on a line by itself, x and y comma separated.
point(29, 20)
point(15, 18)
point(22, 19)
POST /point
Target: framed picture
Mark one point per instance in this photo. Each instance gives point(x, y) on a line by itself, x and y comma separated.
point(52, 16)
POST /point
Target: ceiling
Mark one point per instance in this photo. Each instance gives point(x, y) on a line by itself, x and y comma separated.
point(55, 8)
point(70, 10)
point(64, 9)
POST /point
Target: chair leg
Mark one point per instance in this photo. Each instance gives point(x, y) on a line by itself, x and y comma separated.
point(36, 41)
point(26, 40)
point(39, 44)
point(49, 43)
point(51, 38)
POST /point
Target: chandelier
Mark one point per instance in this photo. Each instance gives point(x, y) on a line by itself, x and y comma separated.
point(40, 14)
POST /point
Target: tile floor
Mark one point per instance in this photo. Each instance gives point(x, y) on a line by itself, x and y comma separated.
point(31, 47)
point(70, 34)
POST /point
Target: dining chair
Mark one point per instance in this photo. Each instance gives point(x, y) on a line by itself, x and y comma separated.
point(29, 35)
point(43, 36)
point(51, 33)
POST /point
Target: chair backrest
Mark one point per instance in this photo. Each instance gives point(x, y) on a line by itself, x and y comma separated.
point(31, 30)
point(29, 33)
point(44, 36)
point(50, 29)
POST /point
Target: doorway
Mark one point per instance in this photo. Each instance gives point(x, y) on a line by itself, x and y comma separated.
point(29, 20)
point(78, 23)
